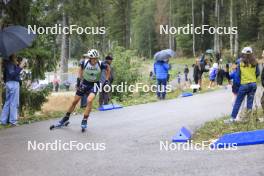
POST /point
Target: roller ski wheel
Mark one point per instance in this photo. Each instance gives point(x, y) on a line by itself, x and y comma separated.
point(84, 125)
point(83, 130)
point(59, 125)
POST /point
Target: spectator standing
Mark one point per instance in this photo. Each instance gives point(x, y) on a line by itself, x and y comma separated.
point(104, 96)
point(213, 74)
point(248, 72)
point(186, 73)
point(11, 78)
point(196, 73)
point(161, 69)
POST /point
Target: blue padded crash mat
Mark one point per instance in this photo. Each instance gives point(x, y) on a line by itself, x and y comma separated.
point(240, 139)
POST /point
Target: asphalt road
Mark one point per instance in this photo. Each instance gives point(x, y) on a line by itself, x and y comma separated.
point(131, 137)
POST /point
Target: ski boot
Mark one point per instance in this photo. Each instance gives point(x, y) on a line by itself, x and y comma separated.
point(63, 122)
point(84, 125)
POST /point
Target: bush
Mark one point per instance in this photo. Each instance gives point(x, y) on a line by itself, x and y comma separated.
point(126, 69)
point(32, 101)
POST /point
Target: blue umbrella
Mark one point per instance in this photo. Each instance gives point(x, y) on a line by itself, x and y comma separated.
point(164, 55)
point(14, 38)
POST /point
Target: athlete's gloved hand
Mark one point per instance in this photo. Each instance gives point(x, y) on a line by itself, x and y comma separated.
point(78, 83)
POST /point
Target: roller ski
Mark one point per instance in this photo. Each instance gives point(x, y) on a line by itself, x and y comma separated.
point(84, 125)
point(64, 122)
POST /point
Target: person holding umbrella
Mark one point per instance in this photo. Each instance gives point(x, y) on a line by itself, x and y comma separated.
point(11, 78)
point(161, 70)
point(13, 39)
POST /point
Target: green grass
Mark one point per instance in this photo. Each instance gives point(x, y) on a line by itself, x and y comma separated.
point(214, 129)
point(35, 118)
point(147, 98)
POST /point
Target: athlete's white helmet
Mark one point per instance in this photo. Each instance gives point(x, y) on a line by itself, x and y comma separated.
point(93, 53)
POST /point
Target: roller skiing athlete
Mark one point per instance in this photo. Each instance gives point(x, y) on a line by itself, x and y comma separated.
point(87, 84)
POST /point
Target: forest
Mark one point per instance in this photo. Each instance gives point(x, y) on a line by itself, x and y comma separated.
point(135, 24)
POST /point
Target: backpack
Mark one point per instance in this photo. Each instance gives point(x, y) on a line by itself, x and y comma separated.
point(87, 61)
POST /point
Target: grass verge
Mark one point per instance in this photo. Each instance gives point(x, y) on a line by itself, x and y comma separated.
point(214, 129)
point(35, 118)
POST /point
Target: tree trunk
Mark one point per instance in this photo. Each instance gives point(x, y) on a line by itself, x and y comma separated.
point(170, 36)
point(127, 23)
point(216, 36)
point(194, 55)
point(231, 25)
point(236, 45)
point(202, 36)
point(150, 45)
point(64, 56)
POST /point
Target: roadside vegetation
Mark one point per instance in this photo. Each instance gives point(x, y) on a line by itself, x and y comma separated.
point(214, 129)
point(128, 68)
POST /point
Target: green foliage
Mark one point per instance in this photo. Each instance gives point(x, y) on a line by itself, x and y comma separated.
point(17, 11)
point(32, 101)
point(143, 25)
point(39, 62)
point(184, 42)
point(126, 69)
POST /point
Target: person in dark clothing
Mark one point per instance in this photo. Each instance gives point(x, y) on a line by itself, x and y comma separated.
point(197, 73)
point(11, 78)
point(186, 72)
point(104, 97)
point(203, 67)
point(220, 76)
point(218, 57)
point(227, 75)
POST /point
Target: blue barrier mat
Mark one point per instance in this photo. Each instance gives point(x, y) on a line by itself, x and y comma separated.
point(240, 139)
point(109, 107)
point(186, 94)
point(183, 135)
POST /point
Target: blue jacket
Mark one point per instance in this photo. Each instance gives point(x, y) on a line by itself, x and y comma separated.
point(11, 72)
point(161, 69)
point(235, 76)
